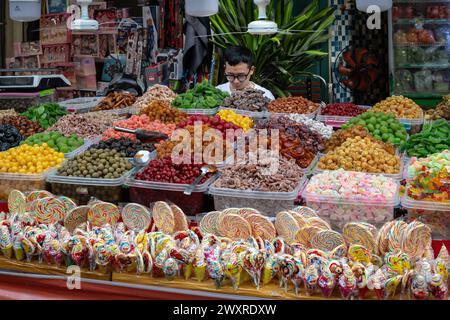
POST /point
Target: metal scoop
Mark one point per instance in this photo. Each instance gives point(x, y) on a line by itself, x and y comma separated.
point(142, 158)
point(144, 135)
point(205, 170)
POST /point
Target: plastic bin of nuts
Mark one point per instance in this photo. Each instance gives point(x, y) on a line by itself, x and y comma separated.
point(434, 214)
point(21, 182)
point(146, 192)
point(336, 202)
point(335, 121)
point(80, 105)
point(82, 189)
point(266, 202)
point(294, 105)
point(21, 101)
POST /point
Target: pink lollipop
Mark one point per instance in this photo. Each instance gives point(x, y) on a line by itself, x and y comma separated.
point(136, 217)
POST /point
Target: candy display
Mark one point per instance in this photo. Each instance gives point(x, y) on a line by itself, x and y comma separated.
point(202, 96)
point(293, 105)
point(296, 140)
point(28, 159)
point(238, 244)
point(9, 137)
point(137, 122)
point(258, 185)
point(46, 114)
point(87, 125)
point(434, 137)
point(316, 126)
point(442, 110)
point(165, 170)
point(25, 126)
point(361, 154)
point(126, 146)
point(163, 112)
point(96, 163)
point(156, 92)
point(246, 123)
point(341, 135)
point(248, 100)
point(344, 109)
point(381, 125)
point(115, 100)
point(56, 141)
point(400, 107)
point(343, 196)
point(215, 122)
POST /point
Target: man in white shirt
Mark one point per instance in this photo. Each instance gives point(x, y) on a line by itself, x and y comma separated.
point(239, 70)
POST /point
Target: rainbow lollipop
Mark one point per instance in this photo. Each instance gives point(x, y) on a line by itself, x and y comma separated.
point(310, 280)
point(326, 282)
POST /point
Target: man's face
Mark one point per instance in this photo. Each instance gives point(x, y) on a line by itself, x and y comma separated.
point(240, 71)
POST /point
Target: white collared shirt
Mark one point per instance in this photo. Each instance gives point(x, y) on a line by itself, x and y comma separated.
point(226, 87)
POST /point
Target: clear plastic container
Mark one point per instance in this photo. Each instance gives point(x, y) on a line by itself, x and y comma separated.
point(21, 182)
point(412, 126)
point(338, 210)
point(82, 189)
point(268, 203)
point(398, 176)
point(80, 105)
point(335, 121)
point(434, 214)
point(21, 101)
point(251, 114)
point(147, 192)
point(206, 112)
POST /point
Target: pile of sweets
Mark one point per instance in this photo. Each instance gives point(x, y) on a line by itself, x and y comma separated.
point(430, 177)
point(350, 190)
point(399, 260)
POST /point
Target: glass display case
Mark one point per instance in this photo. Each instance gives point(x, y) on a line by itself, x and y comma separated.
point(419, 41)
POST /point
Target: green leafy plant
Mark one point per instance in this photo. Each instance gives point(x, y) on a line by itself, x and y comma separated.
point(281, 58)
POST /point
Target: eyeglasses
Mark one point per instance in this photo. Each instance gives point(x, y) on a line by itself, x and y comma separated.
point(240, 77)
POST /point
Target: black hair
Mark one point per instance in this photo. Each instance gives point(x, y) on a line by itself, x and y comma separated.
point(235, 55)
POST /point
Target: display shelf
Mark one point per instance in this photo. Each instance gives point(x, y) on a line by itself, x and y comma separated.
point(271, 291)
point(44, 268)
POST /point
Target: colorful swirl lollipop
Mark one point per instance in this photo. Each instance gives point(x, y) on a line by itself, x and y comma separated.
point(209, 223)
point(306, 212)
point(318, 222)
point(358, 253)
point(261, 226)
point(417, 239)
point(48, 210)
point(180, 219)
point(301, 221)
point(75, 217)
point(305, 234)
point(327, 240)
point(235, 227)
point(102, 213)
point(16, 202)
point(136, 217)
point(163, 216)
point(68, 203)
point(35, 195)
point(357, 233)
point(286, 226)
point(396, 234)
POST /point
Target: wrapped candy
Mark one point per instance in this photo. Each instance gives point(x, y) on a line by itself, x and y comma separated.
point(19, 253)
point(233, 269)
point(418, 288)
point(170, 268)
point(360, 273)
point(199, 265)
point(80, 252)
point(390, 286)
point(326, 282)
point(310, 280)
point(5, 242)
point(287, 270)
point(438, 287)
point(376, 282)
point(253, 262)
point(347, 282)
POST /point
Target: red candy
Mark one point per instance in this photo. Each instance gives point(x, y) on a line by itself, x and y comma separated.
point(213, 122)
point(164, 170)
point(342, 109)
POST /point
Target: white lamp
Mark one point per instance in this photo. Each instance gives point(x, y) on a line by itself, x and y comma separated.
point(84, 23)
point(202, 8)
point(384, 5)
point(262, 26)
point(24, 10)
